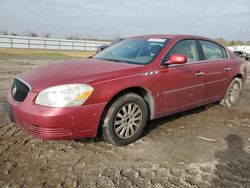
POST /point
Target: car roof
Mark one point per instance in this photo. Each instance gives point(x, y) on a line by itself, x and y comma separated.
point(172, 36)
point(177, 37)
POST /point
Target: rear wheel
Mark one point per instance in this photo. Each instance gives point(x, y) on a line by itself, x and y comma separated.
point(233, 92)
point(125, 120)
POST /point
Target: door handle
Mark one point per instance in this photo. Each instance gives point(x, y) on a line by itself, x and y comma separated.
point(227, 69)
point(200, 73)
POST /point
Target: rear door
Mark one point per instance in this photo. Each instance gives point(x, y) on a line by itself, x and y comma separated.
point(215, 67)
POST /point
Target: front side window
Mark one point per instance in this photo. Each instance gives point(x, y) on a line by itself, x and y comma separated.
point(185, 47)
point(134, 50)
point(212, 51)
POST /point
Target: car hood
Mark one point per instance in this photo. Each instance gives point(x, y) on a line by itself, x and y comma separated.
point(79, 71)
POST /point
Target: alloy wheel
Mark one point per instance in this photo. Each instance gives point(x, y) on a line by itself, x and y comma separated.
point(234, 92)
point(127, 120)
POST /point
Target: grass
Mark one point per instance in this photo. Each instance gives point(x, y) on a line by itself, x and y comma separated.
point(42, 54)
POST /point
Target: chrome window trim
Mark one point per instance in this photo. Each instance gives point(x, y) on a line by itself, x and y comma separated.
point(24, 82)
point(226, 49)
point(200, 61)
point(174, 45)
point(228, 55)
point(194, 62)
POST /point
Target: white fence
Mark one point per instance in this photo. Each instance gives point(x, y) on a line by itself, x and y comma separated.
point(48, 44)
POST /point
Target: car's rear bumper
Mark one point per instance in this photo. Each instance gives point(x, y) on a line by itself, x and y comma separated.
point(54, 123)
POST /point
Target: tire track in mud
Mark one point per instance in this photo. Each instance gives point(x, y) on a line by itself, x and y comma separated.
point(152, 175)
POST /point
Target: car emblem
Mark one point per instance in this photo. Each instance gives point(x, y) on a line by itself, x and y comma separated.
point(14, 90)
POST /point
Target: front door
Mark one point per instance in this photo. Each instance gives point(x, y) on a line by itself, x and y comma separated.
point(182, 86)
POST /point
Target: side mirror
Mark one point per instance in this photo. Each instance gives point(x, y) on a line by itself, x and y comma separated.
point(177, 59)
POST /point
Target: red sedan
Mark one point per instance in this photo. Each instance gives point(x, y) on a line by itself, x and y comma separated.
point(115, 92)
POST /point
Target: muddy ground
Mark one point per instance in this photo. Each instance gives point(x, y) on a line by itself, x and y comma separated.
point(204, 147)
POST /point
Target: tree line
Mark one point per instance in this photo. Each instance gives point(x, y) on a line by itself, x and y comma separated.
point(115, 36)
point(48, 35)
point(232, 42)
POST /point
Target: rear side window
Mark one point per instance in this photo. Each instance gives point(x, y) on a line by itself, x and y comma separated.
point(212, 51)
point(224, 52)
point(185, 47)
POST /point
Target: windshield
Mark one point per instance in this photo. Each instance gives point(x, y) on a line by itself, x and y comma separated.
point(135, 51)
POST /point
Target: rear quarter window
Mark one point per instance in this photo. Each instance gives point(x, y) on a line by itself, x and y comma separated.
point(213, 51)
point(224, 52)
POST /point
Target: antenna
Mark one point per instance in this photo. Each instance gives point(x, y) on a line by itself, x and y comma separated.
point(241, 28)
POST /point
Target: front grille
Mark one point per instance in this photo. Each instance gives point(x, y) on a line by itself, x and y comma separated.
point(43, 132)
point(19, 90)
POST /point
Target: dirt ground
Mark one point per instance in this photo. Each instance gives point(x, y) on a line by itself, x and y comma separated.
point(204, 147)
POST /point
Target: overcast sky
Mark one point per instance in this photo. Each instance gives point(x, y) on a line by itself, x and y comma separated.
point(106, 18)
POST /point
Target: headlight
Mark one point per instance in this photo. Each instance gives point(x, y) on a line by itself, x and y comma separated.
point(64, 95)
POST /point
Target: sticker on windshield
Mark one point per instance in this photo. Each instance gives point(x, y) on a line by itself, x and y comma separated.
point(156, 40)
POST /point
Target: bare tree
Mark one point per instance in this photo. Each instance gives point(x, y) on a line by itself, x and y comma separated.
point(116, 36)
point(5, 33)
point(13, 34)
point(74, 37)
point(32, 34)
point(222, 41)
point(46, 35)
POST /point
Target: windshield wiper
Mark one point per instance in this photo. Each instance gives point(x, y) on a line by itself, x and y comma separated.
point(115, 60)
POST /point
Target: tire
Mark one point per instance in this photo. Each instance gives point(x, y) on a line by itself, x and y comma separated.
point(125, 119)
point(232, 94)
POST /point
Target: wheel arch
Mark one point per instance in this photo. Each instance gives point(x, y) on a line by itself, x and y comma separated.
point(240, 76)
point(141, 91)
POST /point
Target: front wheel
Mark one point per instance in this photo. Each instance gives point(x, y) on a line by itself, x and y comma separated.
point(233, 92)
point(125, 120)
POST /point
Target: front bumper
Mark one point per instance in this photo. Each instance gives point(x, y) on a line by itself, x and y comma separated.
point(54, 123)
